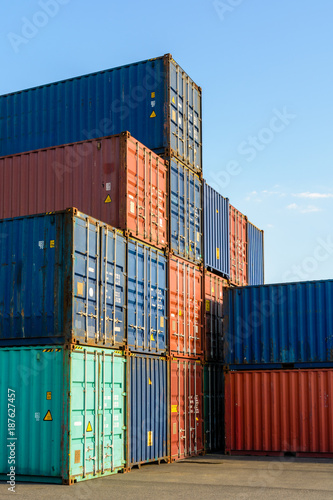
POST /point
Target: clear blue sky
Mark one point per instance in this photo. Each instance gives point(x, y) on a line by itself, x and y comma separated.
point(267, 77)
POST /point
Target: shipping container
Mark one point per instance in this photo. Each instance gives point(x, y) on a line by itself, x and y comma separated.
point(216, 231)
point(114, 179)
point(147, 299)
point(185, 308)
point(282, 323)
point(238, 247)
point(255, 255)
point(155, 100)
point(213, 316)
point(68, 408)
point(63, 279)
point(185, 212)
point(186, 408)
point(148, 409)
point(277, 412)
point(213, 407)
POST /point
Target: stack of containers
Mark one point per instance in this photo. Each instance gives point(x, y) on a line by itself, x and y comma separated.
point(279, 369)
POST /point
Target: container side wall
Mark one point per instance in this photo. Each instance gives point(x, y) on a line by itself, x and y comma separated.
point(255, 257)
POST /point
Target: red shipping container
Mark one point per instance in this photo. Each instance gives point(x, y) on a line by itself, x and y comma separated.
point(238, 247)
point(186, 408)
point(114, 179)
point(185, 298)
point(213, 315)
point(279, 411)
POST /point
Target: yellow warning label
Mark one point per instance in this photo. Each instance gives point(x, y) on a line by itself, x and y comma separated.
point(152, 338)
point(52, 244)
point(217, 211)
point(150, 438)
point(48, 416)
point(150, 382)
point(173, 115)
point(152, 95)
point(207, 305)
point(173, 100)
point(212, 290)
point(78, 347)
point(89, 428)
point(217, 253)
point(80, 288)
point(108, 199)
point(162, 321)
point(174, 408)
point(180, 313)
point(153, 115)
point(49, 395)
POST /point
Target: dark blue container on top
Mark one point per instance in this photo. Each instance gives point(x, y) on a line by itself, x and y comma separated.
point(216, 231)
point(147, 299)
point(289, 323)
point(63, 279)
point(185, 212)
point(255, 255)
point(155, 100)
point(148, 409)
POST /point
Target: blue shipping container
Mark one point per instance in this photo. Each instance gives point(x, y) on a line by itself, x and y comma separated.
point(155, 100)
point(185, 212)
point(283, 323)
point(148, 401)
point(255, 255)
point(147, 299)
point(58, 280)
point(216, 231)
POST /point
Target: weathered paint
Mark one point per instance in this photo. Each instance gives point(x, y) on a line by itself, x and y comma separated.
point(64, 277)
point(155, 100)
point(238, 247)
point(213, 407)
point(69, 412)
point(255, 255)
point(186, 408)
point(185, 308)
point(285, 411)
point(185, 212)
point(213, 316)
point(148, 409)
point(216, 231)
point(282, 323)
point(147, 299)
point(114, 179)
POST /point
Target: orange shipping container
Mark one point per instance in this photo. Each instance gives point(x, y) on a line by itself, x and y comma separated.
point(238, 247)
point(279, 411)
point(213, 315)
point(185, 296)
point(114, 179)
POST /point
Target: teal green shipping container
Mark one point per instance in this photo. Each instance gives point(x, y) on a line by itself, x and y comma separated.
point(62, 413)
point(62, 279)
point(155, 100)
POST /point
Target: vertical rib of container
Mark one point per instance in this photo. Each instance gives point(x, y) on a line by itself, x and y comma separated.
point(213, 407)
point(216, 231)
point(255, 255)
point(185, 308)
point(185, 212)
point(282, 323)
point(186, 408)
point(148, 411)
point(238, 247)
point(213, 316)
point(147, 299)
point(276, 412)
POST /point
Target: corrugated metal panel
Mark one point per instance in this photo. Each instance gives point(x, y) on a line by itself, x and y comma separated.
point(148, 400)
point(155, 100)
point(114, 179)
point(69, 412)
point(213, 407)
point(185, 309)
point(238, 247)
point(279, 411)
point(147, 299)
point(255, 255)
point(55, 281)
point(283, 323)
point(216, 231)
point(185, 212)
point(186, 408)
point(213, 312)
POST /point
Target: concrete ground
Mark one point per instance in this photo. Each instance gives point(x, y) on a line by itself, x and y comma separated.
point(204, 478)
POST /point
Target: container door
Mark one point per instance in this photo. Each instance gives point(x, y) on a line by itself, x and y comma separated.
point(213, 317)
point(195, 407)
point(112, 288)
point(178, 409)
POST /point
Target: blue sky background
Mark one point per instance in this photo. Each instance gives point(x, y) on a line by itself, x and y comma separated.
point(254, 60)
